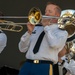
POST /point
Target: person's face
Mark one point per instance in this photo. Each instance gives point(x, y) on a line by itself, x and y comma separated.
point(51, 11)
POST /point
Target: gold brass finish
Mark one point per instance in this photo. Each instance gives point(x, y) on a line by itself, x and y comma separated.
point(71, 48)
point(34, 16)
point(10, 26)
point(67, 24)
point(66, 21)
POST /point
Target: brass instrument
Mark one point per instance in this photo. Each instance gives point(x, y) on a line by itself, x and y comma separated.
point(65, 21)
point(34, 16)
point(10, 26)
point(71, 48)
point(69, 23)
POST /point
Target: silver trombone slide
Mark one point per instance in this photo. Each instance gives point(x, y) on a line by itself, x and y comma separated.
point(27, 17)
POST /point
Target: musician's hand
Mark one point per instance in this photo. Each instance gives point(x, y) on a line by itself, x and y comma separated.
point(45, 22)
point(30, 27)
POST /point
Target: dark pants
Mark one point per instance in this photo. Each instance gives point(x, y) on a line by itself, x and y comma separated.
point(55, 69)
point(29, 68)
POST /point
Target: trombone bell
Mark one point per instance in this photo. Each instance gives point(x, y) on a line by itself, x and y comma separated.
point(34, 16)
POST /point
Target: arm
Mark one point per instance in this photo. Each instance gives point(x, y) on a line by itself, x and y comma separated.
point(55, 36)
point(25, 39)
point(62, 52)
point(3, 41)
point(24, 42)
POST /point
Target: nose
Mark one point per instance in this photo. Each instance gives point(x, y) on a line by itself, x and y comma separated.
point(47, 14)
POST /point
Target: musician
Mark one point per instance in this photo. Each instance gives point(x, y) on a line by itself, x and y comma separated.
point(3, 37)
point(67, 67)
point(65, 50)
point(67, 61)
point(51, 42)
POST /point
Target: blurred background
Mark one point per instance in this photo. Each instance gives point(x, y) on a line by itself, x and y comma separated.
point(11, 56)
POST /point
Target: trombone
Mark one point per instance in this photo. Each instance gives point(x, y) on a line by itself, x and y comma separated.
point(66, 21)
point(10, 26)
point(34, 18)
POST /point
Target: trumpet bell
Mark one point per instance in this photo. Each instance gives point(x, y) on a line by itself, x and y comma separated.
point(34, 16)
point(67, 21)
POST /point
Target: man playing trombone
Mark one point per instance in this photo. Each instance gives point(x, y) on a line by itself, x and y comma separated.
point(42, 43)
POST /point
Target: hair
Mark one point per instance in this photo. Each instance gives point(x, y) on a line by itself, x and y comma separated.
point(1, 14)
point(58, 9)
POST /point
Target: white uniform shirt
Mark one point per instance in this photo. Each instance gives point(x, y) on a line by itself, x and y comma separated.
point(3, 41)
point(53, 42)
